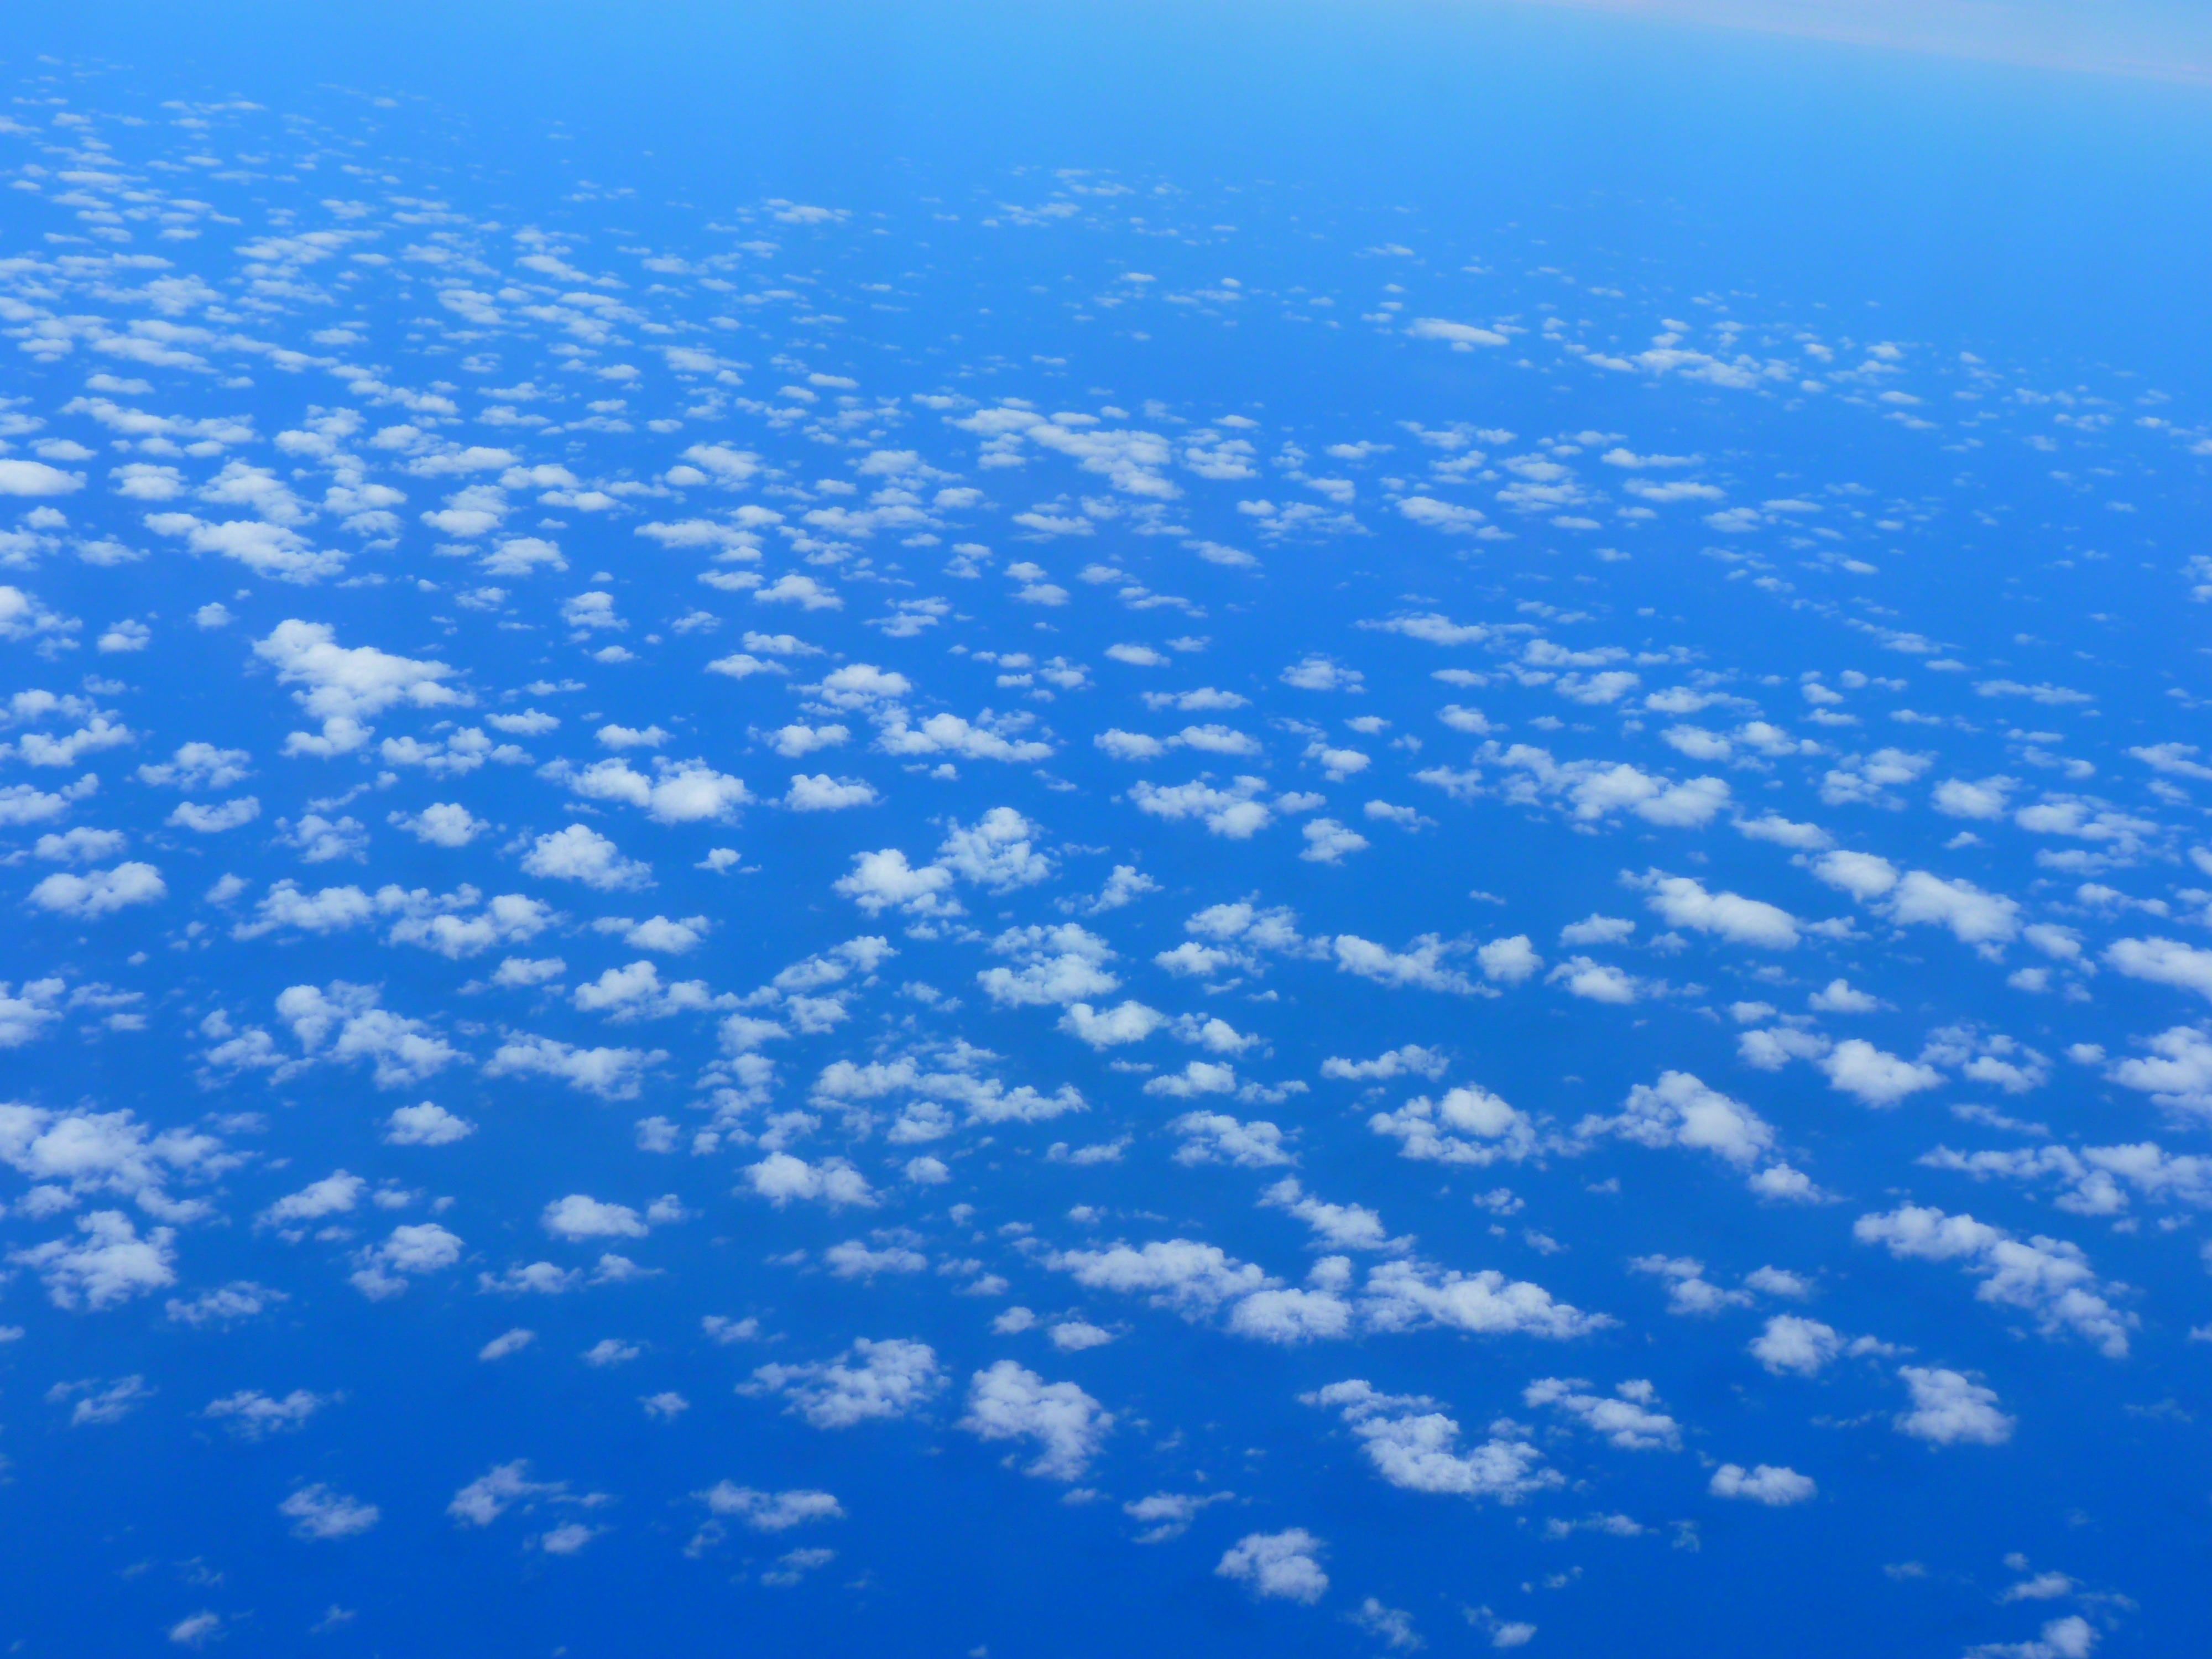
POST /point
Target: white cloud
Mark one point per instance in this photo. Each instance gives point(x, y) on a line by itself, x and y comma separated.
point(1217, 1138)
point(780, 1178)
point(1320, 673)
point(609, 1073)
point(1007, 1402)
point(1236, 813)
point(2176, 1074)
point(1129, 1022)
point(1862, 875)
point(489, 1495)
point(321, 1512)
point(1057, 964)
point(99, 892)
point(1180, 1274)
point(19, 478)
point(580, 852)
point(1413, 1060)
point(1415, 1446)
point(1855, 1067)
point(870, 1382)
point(1680, 1110)
point(579, 1216)
point(884, 880)
point(1328, 842)
point(1423, 965)
point(1470, 1125)
point(1683, 901)
point(1508, 961)
point(997, 851)
point(683, 792)
point(250, 1414)
point(2048, 1278)
point(988, 738)
point(1284, 1565)
point(441, 824)
point(1625, 1418)
point(412, 1249)
point(427, 1124)
point(1973, 916)
point(2162, 962)
point(108, 1262)
point(1797, 1344)
point(1764, 1484)
point(820, 793)
point(346, 687)
point(1950, 1409)
point(766, 1511)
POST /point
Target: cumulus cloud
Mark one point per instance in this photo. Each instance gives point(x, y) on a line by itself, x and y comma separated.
point(1414, 1446)
point(1683, 901)
point(1768, 1484)
point(580, 854)
point(1009, 1402)
point(344, 688)
point(1951, 1409)
point(1283, 1565)
point(870, 1382)
point(2049, 1279)
point(99, 892)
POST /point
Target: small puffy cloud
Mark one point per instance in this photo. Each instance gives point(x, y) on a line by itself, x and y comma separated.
point(412, 1249)
point(580, 854)
point(1974, 917)
point(1129, 1022)
point(821, 792)
point(2177, 1073)
point(681, 792)
point(20, 477)
point(99, 892)
point(1236, 813)
point(344, 687)
point(2159, 961)
point(1460, 337)
point(1423, 965)
point(1283, 1565)
point(321, 1512)
point(1320, 673)
point(1765, 1484)
point(2048, 1278)
point(107, 1262)
point(1328, 842)
point(1415, 1446)
point(1680, 1110)
point(1508, 961)
point(1008, 1402)
point(1683, 901)
point(1951, 1409)
point(884, 880)
point(1874, 1078)
point(771, 1511)
point(870, 1382)
point(427, 1124)
point(441, 824)
point(1626, 1418)
point(1862, 875)
point(609, 1073)
point(581, 1217)
point(1798, 1345)
point(780, 1178)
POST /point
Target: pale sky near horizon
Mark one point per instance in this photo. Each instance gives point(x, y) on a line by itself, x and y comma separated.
point(2149, 39)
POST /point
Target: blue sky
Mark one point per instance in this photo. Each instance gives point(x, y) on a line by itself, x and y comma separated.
point(1392, 842)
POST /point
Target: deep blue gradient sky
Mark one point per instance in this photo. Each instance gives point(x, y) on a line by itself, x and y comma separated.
point(1043, 831)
